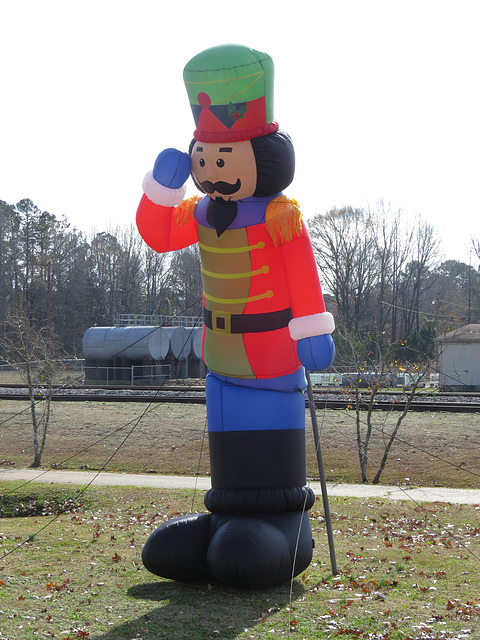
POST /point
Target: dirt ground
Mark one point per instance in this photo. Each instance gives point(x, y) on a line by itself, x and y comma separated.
point(440, 449)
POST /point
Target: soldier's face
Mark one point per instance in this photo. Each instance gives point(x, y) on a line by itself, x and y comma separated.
point(225, 170)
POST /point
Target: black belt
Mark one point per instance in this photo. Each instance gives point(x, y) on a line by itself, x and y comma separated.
point(227, 323)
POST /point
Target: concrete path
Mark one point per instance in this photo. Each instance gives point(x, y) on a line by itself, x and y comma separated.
point(418, 494)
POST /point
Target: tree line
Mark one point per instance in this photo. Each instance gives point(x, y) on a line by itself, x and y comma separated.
point(382, 278)
point(59, 276)
point(386, 283)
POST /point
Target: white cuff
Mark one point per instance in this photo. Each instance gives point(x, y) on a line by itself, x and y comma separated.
point(315, 325)
point(161, 195)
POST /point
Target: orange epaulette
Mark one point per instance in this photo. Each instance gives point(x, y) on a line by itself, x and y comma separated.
point(283, 219)
point(185, 210)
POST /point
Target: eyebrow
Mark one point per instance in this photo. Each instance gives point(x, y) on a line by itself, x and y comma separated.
point(226, 149)
point(199, 149)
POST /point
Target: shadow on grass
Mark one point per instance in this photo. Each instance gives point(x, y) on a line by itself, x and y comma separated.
point(187, 612)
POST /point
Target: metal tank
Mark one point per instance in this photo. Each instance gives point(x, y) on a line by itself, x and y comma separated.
point(180, 342)
point(129, 343)
point(197, 343)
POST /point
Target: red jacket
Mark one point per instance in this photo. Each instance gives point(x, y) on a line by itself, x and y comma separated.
point(267, 269)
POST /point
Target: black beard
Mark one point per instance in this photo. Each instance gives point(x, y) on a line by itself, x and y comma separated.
point(221, 213)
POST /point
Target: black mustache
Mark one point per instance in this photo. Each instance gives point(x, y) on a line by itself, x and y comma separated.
point(221, 187)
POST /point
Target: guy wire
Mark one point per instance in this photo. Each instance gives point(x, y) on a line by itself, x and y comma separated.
point(109, 459)
point(415, 502)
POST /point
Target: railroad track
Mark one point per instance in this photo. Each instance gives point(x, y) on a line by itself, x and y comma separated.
point(325, 399)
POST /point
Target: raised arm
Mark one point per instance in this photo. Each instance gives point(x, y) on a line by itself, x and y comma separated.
point(165, 221)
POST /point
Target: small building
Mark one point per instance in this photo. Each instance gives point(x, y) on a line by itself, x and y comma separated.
point(459, 359)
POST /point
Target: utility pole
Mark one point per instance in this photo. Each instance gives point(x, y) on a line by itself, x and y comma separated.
point(49, 297)
point(469, 287)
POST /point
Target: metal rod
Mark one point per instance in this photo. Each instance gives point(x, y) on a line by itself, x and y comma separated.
point(321, 470)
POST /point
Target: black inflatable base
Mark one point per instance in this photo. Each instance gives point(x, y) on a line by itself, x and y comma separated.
point(250, 552)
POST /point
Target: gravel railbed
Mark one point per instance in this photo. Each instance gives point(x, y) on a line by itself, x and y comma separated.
point(185, 391)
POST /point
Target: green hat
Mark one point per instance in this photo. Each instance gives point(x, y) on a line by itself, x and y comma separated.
point(230, 88)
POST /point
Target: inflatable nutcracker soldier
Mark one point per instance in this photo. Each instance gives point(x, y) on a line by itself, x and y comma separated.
point(264, 321)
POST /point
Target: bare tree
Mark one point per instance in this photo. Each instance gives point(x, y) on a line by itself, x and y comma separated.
point(31, 351)
point(156, 275)
point(186, 281)
point(392, 242)
point(378, 267)
point(389, 439)
point(417, 274)
point(476, 246)
point(347, 261)
point(366, 380)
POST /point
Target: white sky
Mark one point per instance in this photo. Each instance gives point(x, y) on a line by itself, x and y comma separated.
point(381, 98)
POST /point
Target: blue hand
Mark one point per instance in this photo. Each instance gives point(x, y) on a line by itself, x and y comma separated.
point(172, 168)
point(316, 353)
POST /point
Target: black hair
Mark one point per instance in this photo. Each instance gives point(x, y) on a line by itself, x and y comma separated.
point(190, 149)
point(275, 161)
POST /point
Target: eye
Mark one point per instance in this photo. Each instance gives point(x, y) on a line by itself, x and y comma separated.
point(201, 162)
point(220, 162)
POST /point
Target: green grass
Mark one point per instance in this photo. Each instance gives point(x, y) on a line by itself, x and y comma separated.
point(405, 571)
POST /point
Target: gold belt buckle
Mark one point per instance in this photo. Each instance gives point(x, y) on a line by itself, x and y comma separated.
point(221, 322)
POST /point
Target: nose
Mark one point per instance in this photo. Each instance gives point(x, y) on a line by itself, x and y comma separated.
point(210, 170)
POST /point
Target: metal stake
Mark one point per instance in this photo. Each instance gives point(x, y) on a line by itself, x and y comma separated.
point(323, 484)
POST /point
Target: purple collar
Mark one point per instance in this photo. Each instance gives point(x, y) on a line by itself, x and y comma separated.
point(251, 211)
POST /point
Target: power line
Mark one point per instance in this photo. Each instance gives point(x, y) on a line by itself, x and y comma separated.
point(422, 313)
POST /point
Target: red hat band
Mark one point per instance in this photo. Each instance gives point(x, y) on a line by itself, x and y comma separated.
point(231, 123)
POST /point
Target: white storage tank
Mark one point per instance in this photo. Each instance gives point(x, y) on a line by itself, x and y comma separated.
point(180, 342)
point(197, 342)
point(130, 343)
